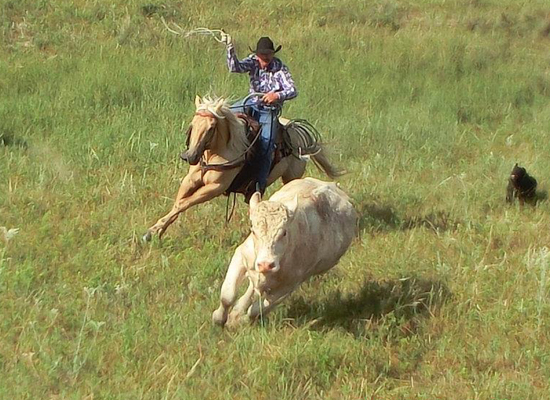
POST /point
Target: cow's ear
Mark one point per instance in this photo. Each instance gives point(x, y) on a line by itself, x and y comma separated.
point(293, 205)
point(255, 200)
point(198, 101)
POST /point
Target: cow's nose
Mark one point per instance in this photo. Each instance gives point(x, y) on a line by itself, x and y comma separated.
point(265, 266)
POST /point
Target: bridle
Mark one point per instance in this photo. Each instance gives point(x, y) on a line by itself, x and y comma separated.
point(207, 114)
point(210, 132)
point(236, 162)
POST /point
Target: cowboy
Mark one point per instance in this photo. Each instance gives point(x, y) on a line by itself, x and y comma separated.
point(268, 75)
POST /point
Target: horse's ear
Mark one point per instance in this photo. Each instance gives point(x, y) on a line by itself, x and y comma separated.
point(255, 200)
point(218, 106)
point(198, 101)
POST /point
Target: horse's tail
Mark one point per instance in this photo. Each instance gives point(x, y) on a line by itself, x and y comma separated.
point(305, 142)
point(322, 162)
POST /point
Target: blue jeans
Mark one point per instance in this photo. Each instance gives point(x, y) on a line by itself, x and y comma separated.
point(268, 119)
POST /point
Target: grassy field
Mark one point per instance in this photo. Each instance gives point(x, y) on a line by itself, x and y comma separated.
point(428, 104)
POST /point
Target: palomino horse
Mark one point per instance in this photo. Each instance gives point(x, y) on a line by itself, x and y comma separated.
point(218, 145)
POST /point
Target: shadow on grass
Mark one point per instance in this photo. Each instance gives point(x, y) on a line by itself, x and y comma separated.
point(437, 221)
point(379, 218)
point(408, 299)
point(7, 138)
point(541, 195)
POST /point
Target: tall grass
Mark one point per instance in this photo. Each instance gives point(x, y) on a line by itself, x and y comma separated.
point(428, 104)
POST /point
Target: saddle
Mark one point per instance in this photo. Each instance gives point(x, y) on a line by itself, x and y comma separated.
point(244, 181)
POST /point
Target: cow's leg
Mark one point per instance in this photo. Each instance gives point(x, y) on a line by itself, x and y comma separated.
point(233, 278)
point(242, 305)
point(265, 305)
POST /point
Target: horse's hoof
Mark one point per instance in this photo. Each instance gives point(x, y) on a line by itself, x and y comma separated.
point(147, 237)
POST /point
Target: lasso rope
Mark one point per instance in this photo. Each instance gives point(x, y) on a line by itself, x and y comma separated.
point(197, 31)
point(206, 31)
point(309, 136)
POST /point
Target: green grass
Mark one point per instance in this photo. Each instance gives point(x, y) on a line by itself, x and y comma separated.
point(428, 104)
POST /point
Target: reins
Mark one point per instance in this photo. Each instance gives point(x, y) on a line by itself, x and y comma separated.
point(228, 214)
point(234, 163)
point(231, 164)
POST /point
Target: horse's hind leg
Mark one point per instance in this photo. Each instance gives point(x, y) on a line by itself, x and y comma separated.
point(295, 170)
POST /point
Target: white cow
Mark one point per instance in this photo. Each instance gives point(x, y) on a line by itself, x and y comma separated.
point(302, 230)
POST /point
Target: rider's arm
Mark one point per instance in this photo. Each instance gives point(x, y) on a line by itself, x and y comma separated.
point(287, 83)
point(235, 65)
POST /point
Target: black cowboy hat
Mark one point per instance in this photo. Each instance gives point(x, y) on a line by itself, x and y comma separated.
point(265, 46)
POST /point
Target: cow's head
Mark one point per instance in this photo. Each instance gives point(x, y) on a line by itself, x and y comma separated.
point(271, 232)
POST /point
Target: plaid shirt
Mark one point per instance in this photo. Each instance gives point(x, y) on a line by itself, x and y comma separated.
point(275, 78)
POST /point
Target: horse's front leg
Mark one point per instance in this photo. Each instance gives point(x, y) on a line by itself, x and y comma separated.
point(213, 185)
point(190, 183)
point(201, 195)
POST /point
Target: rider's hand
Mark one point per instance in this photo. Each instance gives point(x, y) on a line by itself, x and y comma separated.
point(270, 97)
point(226, 39)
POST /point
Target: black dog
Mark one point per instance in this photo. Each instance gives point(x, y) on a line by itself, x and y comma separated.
point(521, 186)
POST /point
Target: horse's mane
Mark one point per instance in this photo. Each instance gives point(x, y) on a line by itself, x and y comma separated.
point(237, 134)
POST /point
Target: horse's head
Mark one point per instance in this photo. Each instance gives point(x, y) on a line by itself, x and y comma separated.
point(203, 128)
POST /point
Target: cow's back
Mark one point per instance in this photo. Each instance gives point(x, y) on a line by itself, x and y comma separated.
point(324, 224)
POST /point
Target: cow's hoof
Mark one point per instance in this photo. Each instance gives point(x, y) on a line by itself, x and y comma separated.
point(219, 318)
point(147, 237)
point(236, 320)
